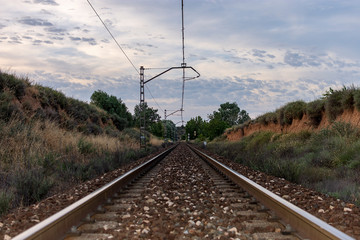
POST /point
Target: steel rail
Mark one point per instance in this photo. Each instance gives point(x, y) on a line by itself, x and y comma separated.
point(304, 223)
point(57, 225)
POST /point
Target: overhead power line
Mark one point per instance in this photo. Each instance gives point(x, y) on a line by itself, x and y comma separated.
point(154, 98)
point(113, 37)
point(127, 57)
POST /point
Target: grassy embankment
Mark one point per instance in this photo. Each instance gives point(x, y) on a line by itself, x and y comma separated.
point(49, 141)
point(327, 160)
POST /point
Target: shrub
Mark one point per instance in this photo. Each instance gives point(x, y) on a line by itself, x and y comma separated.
point(14, 84)
point(85, 147)
point(257, 140)
point(347, 100)
point(333, 105)
point(343, 129)
point(356, 96)
point(31, 185)
point(294, 110)
point(119, 122)
point(340, 188)
point(90, 128)
point(312, 174)
point(77, 109)
point(265, 119)
point(131, 132)
point(6, 107)
point(52, 114)
point(112, 132)
point(5, 201)
point(280, 116)
point(51, 97)
point(314, 111)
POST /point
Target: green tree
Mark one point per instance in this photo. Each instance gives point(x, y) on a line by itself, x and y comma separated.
point(215, 127)
point(170, 128)
point(119, 114)
point(195, 127)
point(157, 128)
point(231, 114)
point(151, 119)
point(243, 117)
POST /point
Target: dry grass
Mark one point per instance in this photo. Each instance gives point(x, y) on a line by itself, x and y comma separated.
point(154, 141)
point(21, 143)
point(35, 154)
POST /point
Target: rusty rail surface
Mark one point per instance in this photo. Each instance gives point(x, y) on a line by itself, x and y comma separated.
point(57, 225)
point(303, 222)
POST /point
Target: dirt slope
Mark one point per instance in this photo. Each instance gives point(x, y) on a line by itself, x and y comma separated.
point(348, 116)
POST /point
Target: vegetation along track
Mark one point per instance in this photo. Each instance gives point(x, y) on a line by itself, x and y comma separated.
point(182, 197)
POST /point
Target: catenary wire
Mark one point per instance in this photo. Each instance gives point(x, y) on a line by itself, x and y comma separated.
point(153, 98)
point(113, 37)
point(122, 51)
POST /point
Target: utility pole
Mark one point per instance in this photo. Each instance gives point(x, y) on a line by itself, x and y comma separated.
point(142, 109)
point(165, 125)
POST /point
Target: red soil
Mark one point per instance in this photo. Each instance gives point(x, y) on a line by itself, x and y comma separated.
point(348, 116)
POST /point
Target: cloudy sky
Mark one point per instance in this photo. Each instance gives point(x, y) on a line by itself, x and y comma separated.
point(258, 53)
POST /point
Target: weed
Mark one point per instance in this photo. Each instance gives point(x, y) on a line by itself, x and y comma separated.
point(31, 185)
point(294, 110)
point(51, 98)
point(258, 139)
point(270, 117)
point(333, 104)
point(6, 199)
point(314, 111)
point(346, 130)
point(280, 116)
point(309, 158)
point(340, 188)
point(312, 175)
point(356, 96)
point(348, 98)
point(85, 147)
point(16, 85)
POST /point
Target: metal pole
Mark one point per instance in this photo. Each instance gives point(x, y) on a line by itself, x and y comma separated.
point(165, 124)
point(183, 64)
point(183, 31)
point(142, 109)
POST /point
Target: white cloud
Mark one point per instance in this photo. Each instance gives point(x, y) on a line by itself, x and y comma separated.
point(260, 55)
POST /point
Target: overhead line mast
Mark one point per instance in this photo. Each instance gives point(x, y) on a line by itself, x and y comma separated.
point(143, 82)
point(183, 64)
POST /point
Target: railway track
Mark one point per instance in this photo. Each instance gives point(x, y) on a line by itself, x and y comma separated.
point(182, 194)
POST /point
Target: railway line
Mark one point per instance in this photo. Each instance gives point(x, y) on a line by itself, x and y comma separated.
point(182, 194)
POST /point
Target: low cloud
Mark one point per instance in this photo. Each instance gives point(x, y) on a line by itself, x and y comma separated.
point(43, 11)
point(15, 40)
point(258, 53)
point(56, 30)
point(301, 60)
point(2, 26)
point(46, 2)
point(35, 22)
point(75, 38)
point(91, 41)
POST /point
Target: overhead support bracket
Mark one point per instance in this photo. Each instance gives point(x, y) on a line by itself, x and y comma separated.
point(172, 68)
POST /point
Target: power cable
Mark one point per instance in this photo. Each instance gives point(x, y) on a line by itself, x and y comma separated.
point(154, 98)
point(122, 50)
point(113, 37)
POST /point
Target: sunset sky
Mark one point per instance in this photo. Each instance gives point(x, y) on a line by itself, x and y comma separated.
point(259, 53)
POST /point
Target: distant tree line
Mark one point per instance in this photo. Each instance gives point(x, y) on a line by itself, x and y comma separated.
point(122, 118)
point(228, 114)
